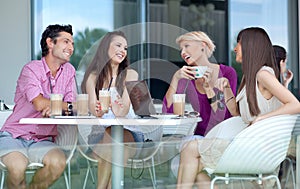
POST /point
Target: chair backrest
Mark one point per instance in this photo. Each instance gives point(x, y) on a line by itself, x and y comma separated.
point(227, 129)
point(184, 129)
point(260, 148)
point(296, 130)
point(67, 139)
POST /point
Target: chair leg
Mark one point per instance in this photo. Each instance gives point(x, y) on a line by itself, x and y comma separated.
point(212, 183)
point(69, 175)
point(293, 178)
point(278, 183)
point(290, 171)
point(92, 172)
point(66, 180)
point(86, 177)
point(88, 172)
point(2, 179)
point(153, 174)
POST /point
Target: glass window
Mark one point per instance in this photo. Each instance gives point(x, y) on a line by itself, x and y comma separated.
point(90, 19)
point(272, 15)
point(152, 46)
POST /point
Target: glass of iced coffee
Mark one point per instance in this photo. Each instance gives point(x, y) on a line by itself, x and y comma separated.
point(56, 104)
point(82, 103)
point(178, 104)
point(104, 98)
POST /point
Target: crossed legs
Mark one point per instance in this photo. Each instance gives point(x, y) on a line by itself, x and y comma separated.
point(190, 167)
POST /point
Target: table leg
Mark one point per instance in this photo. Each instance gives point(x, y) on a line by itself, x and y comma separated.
point(117, 179)
point(298, 161)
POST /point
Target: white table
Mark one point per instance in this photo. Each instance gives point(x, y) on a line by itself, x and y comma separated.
point(117, 135)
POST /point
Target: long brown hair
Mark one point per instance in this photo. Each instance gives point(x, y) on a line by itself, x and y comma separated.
point(257, 51)
point(101, 66)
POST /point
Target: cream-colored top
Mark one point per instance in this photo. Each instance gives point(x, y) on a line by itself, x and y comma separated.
point(264, 105)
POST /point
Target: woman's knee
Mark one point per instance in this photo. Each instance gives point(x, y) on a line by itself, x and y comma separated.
point(191, 146)
point(190, 149)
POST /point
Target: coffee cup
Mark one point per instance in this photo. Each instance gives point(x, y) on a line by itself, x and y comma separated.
point(178, 104)
point(56, 104)
point(82, 103)
point(200, 70)
point(104, 98)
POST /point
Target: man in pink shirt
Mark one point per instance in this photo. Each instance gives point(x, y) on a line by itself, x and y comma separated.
point(20, 143)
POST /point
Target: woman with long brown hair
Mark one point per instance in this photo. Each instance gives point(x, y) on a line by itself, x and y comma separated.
point(260, 96)
point(110, 69)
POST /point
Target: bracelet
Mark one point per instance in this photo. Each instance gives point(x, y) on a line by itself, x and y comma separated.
point(229, 99)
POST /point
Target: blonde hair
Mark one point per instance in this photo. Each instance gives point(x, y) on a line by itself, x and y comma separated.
point(198, 36)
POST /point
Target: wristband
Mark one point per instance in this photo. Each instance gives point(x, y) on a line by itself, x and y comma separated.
point(229, 99)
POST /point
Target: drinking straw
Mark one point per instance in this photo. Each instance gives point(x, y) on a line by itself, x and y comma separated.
point(110, 83)
point(187, 83)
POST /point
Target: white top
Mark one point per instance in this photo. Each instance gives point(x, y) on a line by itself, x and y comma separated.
point(265, 105)
point(110, 114)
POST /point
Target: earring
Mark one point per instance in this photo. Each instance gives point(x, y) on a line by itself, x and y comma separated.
point(202, 50)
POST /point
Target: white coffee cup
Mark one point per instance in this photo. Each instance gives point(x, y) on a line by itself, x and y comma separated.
point(200, 70)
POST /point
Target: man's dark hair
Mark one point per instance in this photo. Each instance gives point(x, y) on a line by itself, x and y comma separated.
point(52, 31)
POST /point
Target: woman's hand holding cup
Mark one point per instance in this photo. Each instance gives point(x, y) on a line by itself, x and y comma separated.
point(187, 72)
point(98, 110)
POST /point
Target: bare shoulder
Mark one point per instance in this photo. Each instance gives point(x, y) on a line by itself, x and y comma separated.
point(265, 75)
point(132, 75)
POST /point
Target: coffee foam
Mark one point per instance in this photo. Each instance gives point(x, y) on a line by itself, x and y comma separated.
point(82, 97)
point(178, 98)
point(104, 93)
point(56, 96)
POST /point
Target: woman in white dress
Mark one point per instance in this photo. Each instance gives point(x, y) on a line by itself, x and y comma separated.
point(260, 96)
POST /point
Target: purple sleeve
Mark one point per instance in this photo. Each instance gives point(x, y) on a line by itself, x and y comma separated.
point(165, 108)
point(180, 89)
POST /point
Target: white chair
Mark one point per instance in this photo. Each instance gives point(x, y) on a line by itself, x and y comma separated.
point(67, 140)
point(220, 131)
point(143, 159)
point(256, 152)
point(287, 168)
